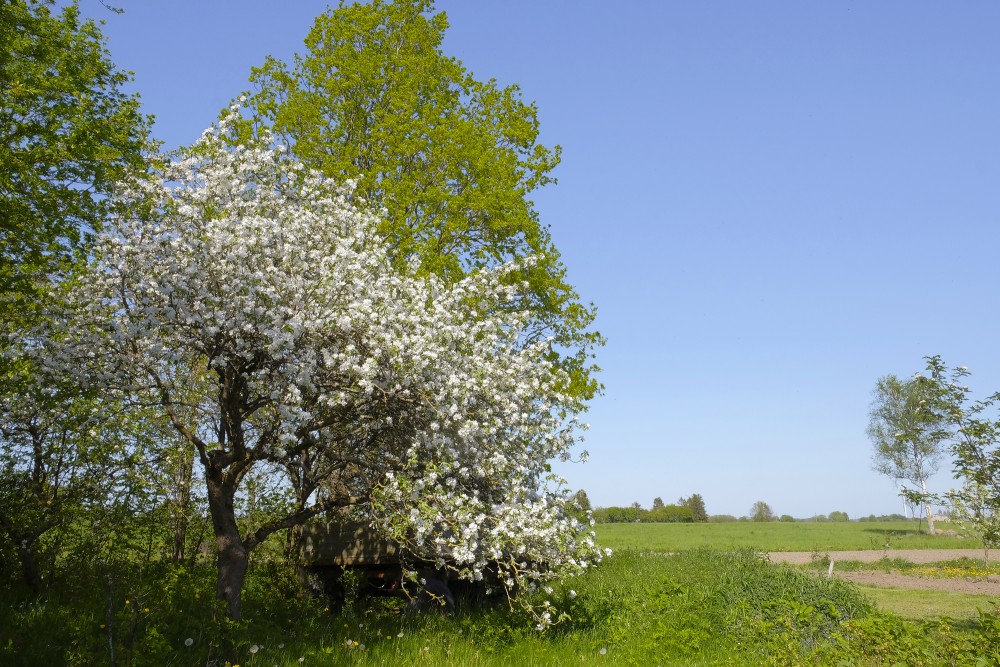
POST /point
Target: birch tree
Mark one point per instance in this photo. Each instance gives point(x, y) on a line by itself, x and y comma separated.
point(907, 436)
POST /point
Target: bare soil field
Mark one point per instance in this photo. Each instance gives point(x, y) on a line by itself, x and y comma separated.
point(989, 586)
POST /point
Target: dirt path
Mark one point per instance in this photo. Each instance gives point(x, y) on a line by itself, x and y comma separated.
point(895, 579)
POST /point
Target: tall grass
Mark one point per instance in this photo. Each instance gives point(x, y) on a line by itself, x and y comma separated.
point(700, 607)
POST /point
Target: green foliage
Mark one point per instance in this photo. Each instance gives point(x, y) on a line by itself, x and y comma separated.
point(452, 159)
point(636, 514)
point(974, 431)
point(907, 434)
point(67, 133)
point(697, 607)
point(697, 506)
point(761, 511)
point(838, 516)
point(580, 507)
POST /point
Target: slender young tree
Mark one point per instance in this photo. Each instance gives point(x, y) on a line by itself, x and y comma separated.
point(907, 436)
point(974, 432)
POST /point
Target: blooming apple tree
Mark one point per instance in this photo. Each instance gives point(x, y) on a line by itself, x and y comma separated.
point(254, 304)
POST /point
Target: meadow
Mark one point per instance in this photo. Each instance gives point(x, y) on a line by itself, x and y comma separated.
point(781, 536)
point(679, 603)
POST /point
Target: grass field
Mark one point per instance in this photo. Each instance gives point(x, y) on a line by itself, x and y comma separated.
point(698, 606)
point(923, 605)
point(779, 536)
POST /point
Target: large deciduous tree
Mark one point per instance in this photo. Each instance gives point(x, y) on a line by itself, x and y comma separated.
point(761, 511)
point(697, 506)
point(452, 159)
point(906, 434)
point(68, 132)
point(255, 305)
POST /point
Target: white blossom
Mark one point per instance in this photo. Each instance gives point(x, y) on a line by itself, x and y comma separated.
point(251, 275)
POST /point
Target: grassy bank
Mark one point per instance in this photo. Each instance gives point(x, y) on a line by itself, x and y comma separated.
point(701, 607)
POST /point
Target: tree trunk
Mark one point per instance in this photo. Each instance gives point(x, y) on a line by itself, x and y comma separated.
point(29, 565)
point(927, 508)
point(233, 554)
point(30, 569)
point(181, 499)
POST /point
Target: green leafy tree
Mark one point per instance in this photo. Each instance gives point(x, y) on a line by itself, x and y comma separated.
point(657, 503)
point(452, 159)
point(697, 506)
point(670, 514)
point(974, 432)
point(907, 436)
point(68, 131)
point(761, 511)
point(838, 516)
point(579, 506)
point(66, 457)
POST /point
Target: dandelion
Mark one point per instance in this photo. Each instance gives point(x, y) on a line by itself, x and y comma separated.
point(281, 646)
point(254, 648)
point(189, 641)
point(603, 651)
point(400, 635)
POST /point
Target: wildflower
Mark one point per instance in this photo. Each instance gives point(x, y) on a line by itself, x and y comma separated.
point(189, 641)
point(400, 635)
point(572, 593)
point(254, 648)
point(603, 651)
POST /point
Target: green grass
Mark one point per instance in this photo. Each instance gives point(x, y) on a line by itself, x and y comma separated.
point(777, 536)
point(640, 607)
point(922, 605)
point(700, 607)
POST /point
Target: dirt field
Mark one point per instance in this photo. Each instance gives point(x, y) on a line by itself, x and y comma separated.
point(896, 580)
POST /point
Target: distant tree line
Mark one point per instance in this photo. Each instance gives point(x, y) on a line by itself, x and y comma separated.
point(685, 510)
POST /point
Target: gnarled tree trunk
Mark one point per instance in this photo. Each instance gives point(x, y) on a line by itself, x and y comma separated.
point(233, 554)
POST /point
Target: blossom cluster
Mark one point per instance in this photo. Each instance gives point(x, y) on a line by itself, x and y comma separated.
point(257, 304)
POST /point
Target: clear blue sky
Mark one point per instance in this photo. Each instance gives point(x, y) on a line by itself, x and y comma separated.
point(771, 203)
